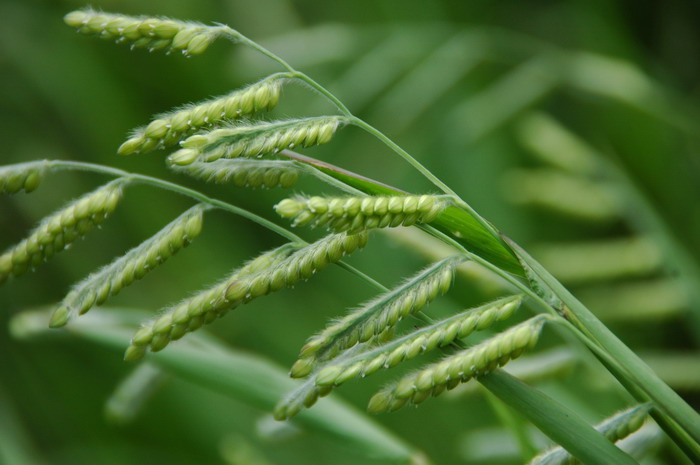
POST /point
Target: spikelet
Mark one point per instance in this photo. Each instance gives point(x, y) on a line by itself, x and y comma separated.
point(154, 34)
point(615, 428)
point(439, 334)
point(267, 273)
point(258, 139)
point(61, 229)
point(377, 316)
point(23, 176)
point(204, 307)
point(358, 213)
point(458, 368)
point(244, 172)
point(169, 128)
point(133, 265)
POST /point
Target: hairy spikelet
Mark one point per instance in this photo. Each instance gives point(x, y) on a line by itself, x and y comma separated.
point(23, 176)
point(615, 428)
point(244, 172)
point(439, 334)
point(377, 316)
point(123, 271)
point(459, 368)
point(258, 139)
point(204, 307)
point(358, 213)
point(268, 273)
point(169, 128)
point(61, 229)
point(154, 34)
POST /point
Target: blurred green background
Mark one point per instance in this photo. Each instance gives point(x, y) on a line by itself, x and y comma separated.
point(573, 126)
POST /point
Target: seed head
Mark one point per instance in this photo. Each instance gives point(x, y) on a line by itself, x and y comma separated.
point(242, 172)
point(123, 271)
point(377, 316)
point(169, 128)
point(439, 334)
point(268, 273)
point(154, 34)
point(458, 368)
point(355, 214)
point(262, 139)
point(59, 230)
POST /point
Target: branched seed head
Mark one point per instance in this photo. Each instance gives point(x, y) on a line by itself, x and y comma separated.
point(243, 172)
point(458, 368)
point(23, 176)
point(377, 316)
point(358, 213)
point(439, 334)
point(111, 279)
point(169, 128)
point(59, 230)
point(154, 34)
point(615, 428)
point(259, 139)
point(268, 273)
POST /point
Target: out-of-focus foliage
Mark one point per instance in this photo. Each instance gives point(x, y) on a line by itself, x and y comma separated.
point(524, 108)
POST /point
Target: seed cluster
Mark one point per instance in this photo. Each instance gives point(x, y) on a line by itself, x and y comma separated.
point(424, 340)
point(377, 316)
point(154, 34)
point(59, 230)
point(358, 213)
point(458, 368)
point(170, 128)
point(132, 266)
point(244, 172)
point(267, 273)
point(24, 176)
point(258, 140)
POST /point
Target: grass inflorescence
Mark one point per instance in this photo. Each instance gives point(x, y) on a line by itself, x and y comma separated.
point(358, 213)
point(61, 229)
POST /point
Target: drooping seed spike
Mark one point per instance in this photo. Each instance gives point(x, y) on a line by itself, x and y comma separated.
point(60, 229)
point(354, 214)
point(282, 267)
point(260, 139)
point(209, 303)
point(242, 172)
point(438, 334)
point(169, 128)
point(459, 368)
point(380, 314)
point(21, 177)
point(153, 34)
point(133, 265)
point(615, 428)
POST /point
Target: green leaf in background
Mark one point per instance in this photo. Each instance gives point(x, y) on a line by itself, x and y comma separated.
point(246, 377)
